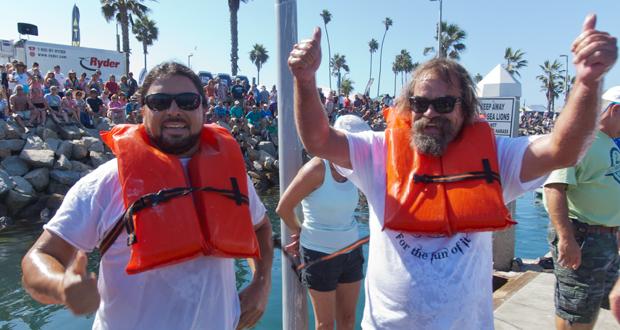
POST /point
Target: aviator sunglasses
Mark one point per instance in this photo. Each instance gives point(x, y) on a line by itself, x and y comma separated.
point(162, 101)
point(444, 104)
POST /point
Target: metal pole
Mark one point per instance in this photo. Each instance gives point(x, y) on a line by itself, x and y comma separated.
point(118, 40)
point(188, 60)
point(294, 309)
point(439, 50)
point(565, 78)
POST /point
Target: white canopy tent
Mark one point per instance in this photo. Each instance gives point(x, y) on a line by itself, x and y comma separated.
point(498, 83)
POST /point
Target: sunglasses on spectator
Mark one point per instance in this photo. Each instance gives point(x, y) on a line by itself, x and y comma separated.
point(444, 104)
point(162, 101)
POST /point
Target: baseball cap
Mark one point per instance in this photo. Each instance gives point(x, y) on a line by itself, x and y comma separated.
point(351, 124)
point(236, 102)
point(611, 95)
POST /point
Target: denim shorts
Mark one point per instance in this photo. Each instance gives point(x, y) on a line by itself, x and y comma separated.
point(325, 276)
point(580, 293)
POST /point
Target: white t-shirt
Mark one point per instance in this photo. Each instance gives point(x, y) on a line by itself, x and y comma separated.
point(196, 294)
point(423, 282)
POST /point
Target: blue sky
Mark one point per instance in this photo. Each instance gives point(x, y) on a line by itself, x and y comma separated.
point(543, 29)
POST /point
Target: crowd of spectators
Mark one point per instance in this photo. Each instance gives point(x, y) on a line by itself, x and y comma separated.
point(29, 96)
point(534, 122)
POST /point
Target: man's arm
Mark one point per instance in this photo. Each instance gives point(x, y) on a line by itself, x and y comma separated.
point(312, 124)
point(569, 252)
point(55, 273)
point(594, 53)
point(253, 298)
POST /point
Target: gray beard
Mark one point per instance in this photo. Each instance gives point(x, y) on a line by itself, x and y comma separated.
point(428, 144)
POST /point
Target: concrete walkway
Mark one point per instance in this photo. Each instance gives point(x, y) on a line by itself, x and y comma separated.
point(529, 305)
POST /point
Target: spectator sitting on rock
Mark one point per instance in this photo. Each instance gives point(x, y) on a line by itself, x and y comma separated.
point(69, 107)
point(111, 85)
point(37, 99)
point(116, 110)
point(82, 108)
point(21, 107)
point(53, 101)
point(96, 105)
point(236, 111)
point(254, 120)
point(50, 80)
point(4, 105)
point(124, 85)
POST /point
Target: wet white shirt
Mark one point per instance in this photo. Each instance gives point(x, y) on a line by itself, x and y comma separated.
point(196, 294)
point(422, 282)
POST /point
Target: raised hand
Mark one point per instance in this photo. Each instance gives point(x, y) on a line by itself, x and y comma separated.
point(594, 52)
point(79, 288)
point(305, 58)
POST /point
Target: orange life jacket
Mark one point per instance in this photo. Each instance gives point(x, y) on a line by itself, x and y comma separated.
point(457, 192)
point(200, 223)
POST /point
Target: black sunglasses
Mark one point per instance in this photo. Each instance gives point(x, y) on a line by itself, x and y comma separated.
point(444, 104)
point(162, 101)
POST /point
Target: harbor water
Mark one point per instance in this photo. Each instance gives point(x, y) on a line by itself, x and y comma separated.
point(18, 311)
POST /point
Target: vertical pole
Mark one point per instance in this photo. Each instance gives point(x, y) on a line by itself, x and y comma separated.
point(439, 50)
point(294, 309)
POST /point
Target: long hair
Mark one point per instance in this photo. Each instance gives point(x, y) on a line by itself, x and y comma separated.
point(454, 74)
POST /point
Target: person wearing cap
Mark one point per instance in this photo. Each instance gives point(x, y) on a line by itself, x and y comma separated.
point(328, 201)
point(437, 181)
point(236, 111)
point(20, 77)
point(583, 206)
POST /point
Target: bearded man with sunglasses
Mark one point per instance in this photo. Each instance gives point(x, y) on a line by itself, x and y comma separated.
point(437, 179)
point(174, 267)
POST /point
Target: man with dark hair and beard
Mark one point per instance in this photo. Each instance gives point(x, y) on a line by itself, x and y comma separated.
point(168, 216)
point(437, 180)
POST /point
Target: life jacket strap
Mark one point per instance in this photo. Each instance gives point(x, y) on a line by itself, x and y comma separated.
point(152, 199)
point(487, 174)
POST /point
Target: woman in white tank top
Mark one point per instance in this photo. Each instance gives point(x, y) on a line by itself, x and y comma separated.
point(328, 201)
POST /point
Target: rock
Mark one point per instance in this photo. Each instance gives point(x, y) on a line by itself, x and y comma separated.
point(45, 215)
point(104, 125)
point(65, 177)
point(54, 201)
point(57, 188)
point(6, 182)
point(276, 164)
point(89, 140)
point(4, 153)
point(79, 151)
point(96, 146)
point(63, 163)
point(3, 128)
point(69, 132)
point(268, 147)
point(39, 178)
point(16, 200)
point(13, 132)
point(3, 210)
point(15, 166)
point(34, 142)
point(268, 164)
point(38, 158)
point(53, 143)
point(23, 186)
point(253, 154)
point(79, 166)
point(254, 175)
point(97, 158)
point(65, 148)
point(6, 222)
point(12, 144)
point(48, 134)
point(253, 141)
point(33, 211)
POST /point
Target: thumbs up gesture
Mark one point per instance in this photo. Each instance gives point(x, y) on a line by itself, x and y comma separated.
point(594, 52)
point(79, 289)
point(305, 58)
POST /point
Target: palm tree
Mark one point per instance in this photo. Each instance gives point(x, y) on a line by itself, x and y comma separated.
point(405, 64)
point(387, 23)
point(478, 77)
point(514, 61)
point(373, 45)
point(347, 86)
point(337, 64)
point(233, 7)
point(396, 68)
point(146, 32)
point(122, 11)
point(552, 82)
point(452, 37)
point(327, 17)
point(258, 56)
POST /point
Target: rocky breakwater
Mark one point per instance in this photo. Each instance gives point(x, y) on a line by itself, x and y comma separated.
point(40, 165)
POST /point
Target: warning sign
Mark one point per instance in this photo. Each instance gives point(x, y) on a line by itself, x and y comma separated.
point(501, 114)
